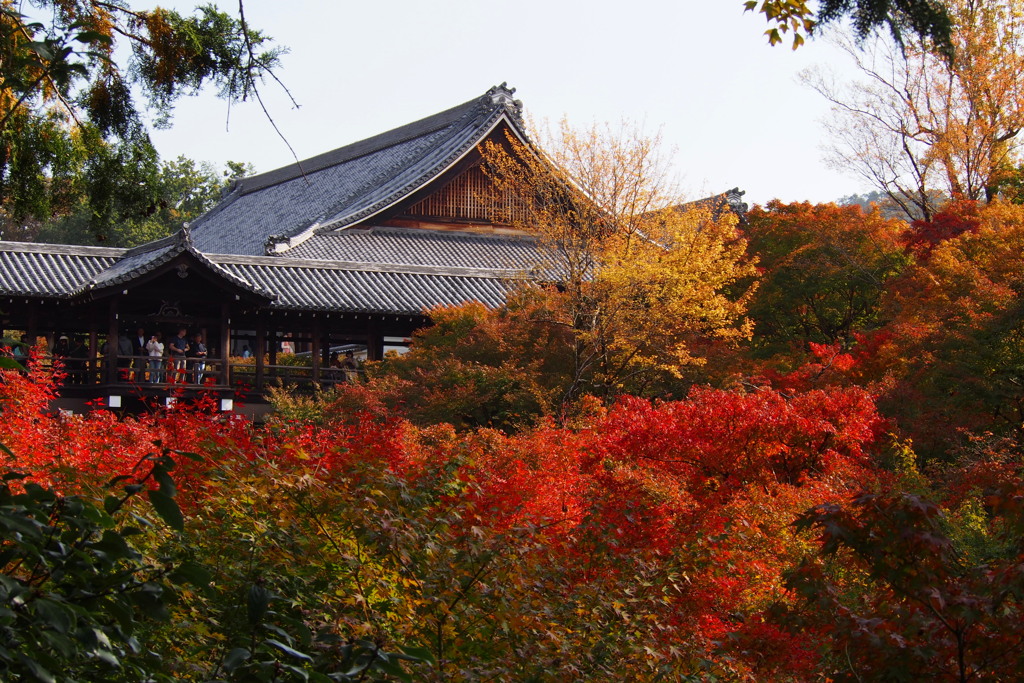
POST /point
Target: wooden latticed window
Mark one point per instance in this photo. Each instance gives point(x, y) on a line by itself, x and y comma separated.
point(470, 197)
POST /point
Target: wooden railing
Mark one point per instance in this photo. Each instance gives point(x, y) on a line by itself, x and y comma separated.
point(209, 372)
point(243, 374)
point(142, 370)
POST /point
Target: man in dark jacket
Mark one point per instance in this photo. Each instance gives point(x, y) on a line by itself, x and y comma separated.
point(177, 349)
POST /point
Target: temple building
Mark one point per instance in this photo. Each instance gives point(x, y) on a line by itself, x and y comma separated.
point(346, 250)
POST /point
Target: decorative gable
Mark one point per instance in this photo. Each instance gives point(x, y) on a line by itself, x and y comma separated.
point(469, 197)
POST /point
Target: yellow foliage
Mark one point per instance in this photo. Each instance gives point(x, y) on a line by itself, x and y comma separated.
point(642, 279)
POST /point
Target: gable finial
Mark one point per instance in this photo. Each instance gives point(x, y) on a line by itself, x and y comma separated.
point(184, 236)
point(503, 96)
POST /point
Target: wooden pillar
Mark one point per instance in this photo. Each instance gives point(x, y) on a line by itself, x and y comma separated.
point(260, 350)
point(314, 352)
point(325, 335)
point(225, 345)
point(32, 327)
point(110, 372)
point(374, 341)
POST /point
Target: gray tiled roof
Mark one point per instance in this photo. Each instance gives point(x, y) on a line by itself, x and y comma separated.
point(48, 270)
point(324, 266)
point(323, 263)
point(141, 260)
point(353, 287)
point(135, 262)
point(349, 184)
point(402, 246)
point(730, 200)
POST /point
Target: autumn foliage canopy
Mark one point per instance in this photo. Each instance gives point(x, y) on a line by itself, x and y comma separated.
point(836, 497)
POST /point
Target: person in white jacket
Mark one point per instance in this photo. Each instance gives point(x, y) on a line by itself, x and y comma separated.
point(155, 349)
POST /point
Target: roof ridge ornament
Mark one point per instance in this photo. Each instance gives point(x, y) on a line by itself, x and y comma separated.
point(275, 244)
point(734, 198)
point(503, 96)
point(185, 236)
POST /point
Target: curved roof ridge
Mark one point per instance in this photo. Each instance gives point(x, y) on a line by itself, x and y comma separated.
point(63, 249)
point(395, 136)
point(429, 232)
point(161, 243)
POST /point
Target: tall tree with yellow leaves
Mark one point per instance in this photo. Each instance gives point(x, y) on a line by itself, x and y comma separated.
point(641, 280)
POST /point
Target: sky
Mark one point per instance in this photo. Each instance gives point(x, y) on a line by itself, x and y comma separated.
point(730, 109)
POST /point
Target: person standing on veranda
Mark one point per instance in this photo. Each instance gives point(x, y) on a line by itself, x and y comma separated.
point(178, 348)
point(155, 351)
point(139, 353)
point(197, 353)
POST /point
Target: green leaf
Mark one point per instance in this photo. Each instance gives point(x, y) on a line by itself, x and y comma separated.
point(10, 364)
point(259, 601)
point(111, 504)
point(57, 616)
point(93, 37)
point(122, 612)
point(392, 668)
point(106, 656)
point(42, 49)
point(235, 659)
point(167, 486)
point(191, 573)
point(421, 654)
point(195, 457)
point(168, 510)
point(18, 524)
point(113, 545)
point(59, 642)
point(288, 650)
point(36, 669)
